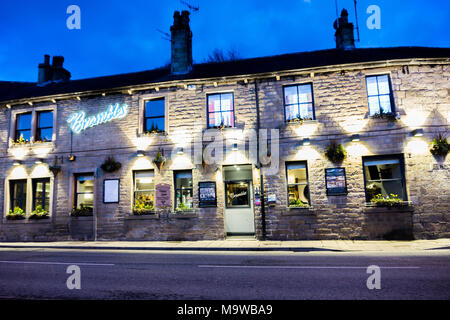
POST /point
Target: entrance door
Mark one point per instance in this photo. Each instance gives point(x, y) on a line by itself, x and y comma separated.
point(239, 215)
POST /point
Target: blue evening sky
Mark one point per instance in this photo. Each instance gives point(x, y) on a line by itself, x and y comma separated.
point(121, 36)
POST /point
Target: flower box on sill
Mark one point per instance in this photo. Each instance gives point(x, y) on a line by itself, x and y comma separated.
point(39, 213)
point(144, 212)
point(82, 212)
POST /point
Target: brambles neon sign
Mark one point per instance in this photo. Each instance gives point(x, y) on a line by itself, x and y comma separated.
point(79, 122)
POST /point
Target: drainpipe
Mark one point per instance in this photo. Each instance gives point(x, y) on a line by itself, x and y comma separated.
point(258, 125)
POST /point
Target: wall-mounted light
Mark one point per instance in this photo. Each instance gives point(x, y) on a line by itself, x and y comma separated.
point(104, 94)
point(17, 163)
point(140, 153)
point(356, 138)
point(417, 133)
point(72, 157)
point(38, 161)
point(78, 98)
point(306, 142)
point(53, 100)
point(30, 103)
point(180, 150)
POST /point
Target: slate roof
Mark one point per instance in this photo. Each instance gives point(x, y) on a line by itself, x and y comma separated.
point(20, 90)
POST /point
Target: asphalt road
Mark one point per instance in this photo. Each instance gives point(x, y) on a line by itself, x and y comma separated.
point(42, 274)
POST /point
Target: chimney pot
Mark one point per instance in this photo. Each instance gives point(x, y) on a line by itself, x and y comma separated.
point(345, 38)
point(181, 40)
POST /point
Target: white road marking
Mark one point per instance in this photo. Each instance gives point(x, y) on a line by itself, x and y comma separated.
point(298, 267)
point(62, 263)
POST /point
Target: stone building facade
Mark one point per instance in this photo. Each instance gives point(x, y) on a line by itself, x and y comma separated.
point(221, 177)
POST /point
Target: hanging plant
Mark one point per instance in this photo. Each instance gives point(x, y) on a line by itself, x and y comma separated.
point(159, 159)
point(110, 165)
point(335, 152)
point(439, 146)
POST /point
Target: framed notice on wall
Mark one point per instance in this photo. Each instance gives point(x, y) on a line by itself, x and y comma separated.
point(207, 194)
point(335, 181)
point(111, 190)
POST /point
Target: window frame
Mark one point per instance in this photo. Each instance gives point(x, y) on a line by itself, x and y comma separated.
point(175, 172)
point(76, 193)
point(16, 125)
point(297, 85)
point(289, 184)
point(34, 181)
point(391, 93)
point(145, 118)
point(23, 198)
point(38, 135)
point(147, 190)
point(232, 111)
point(399, 157)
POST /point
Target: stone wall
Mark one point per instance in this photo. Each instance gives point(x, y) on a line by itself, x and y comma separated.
point(341, 108)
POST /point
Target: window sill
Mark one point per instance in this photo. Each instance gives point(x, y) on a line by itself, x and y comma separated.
point(142, 217)
point(405, 207)
point(32, 145)
point(289, 123)
point(296, 211)
point(82, 218)
point(27, 221)
point(183, 215)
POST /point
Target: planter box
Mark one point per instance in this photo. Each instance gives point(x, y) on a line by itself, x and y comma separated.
point(81, 228)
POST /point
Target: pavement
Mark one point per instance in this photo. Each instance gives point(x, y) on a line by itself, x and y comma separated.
point(243, 244)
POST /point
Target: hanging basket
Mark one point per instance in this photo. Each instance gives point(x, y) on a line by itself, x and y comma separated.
point(439, 146)
point(110, 165)
point(335, 153)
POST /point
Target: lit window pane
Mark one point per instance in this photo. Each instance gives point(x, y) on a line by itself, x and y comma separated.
point(383, 84)
point(372, 89)
point(385, 104)
point(374, 105)
point(298, 194)
point(291, 112)
point(290, 95)
point(85, 200)
point(227, 102)
point(305, 93)
point(214, 103)
point(85, 184)
point(183, 180)
point(144, 181)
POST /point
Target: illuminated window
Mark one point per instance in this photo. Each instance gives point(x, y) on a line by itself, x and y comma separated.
point(299, 102)
point(154, 115)
point(41, 193)
point(220, 110)
point(385, 176)
point(144, 190)
point(18, 194)
point(298, 187)
point(379, 94)
point(23, 127)
point(44, 129)
point(84, 191)
point(183, 190)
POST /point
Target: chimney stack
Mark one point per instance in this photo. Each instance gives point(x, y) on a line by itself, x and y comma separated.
point(52, 72)
point(181, 40)
point(345, 38)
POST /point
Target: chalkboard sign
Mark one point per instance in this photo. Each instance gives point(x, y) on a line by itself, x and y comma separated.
point(336, 182)
point(207, 194)
point(163, 195)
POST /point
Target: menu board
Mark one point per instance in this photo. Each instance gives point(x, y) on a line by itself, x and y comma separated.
point(335, 181)
point(111, 191)
point(207, 194)
point(163, 195)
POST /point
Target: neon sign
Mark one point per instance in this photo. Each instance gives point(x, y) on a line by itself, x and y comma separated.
point(79, 122)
